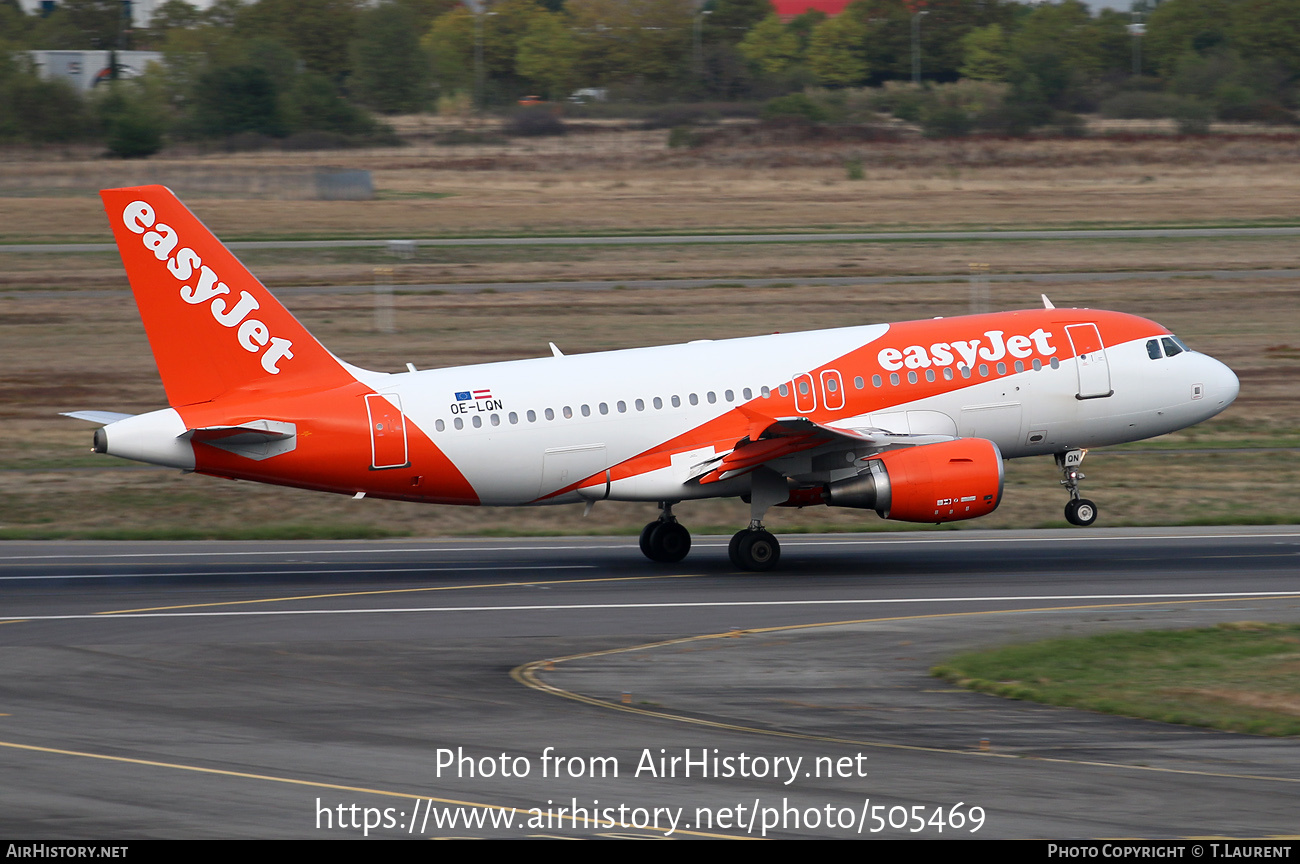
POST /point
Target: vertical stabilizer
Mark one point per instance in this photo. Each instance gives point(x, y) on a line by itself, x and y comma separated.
point(212, 326)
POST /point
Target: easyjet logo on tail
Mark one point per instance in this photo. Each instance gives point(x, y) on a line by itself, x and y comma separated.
point(252, 334)
point(945, 353)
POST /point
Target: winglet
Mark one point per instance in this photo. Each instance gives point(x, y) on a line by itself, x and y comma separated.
point(212, 326)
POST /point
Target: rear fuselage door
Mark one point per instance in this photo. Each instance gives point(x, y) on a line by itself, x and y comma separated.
point(387, 431)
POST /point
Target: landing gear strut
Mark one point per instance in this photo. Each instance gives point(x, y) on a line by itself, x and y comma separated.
point(1079, 511)
point(755, 548)
point(665, 540)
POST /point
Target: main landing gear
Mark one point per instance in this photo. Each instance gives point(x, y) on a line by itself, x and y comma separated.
point(754, 549)
point(1079, 511)
point(665, 540)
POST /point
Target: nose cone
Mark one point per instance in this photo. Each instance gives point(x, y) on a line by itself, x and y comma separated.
point(1226, 386)
point(1221, 385)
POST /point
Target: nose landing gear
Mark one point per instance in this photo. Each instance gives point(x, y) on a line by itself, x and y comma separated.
point(1078, 511)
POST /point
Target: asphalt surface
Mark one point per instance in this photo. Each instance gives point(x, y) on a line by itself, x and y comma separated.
point(187, 690)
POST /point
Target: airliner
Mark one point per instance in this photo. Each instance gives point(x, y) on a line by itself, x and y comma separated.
point(911, 420)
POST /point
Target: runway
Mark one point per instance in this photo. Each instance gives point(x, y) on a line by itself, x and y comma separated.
point(318, 690)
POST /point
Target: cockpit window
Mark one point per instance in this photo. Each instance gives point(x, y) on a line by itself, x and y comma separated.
point(1153, 349)
point(1172, 346)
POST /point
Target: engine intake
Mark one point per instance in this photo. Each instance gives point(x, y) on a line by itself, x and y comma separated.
point(944, 482)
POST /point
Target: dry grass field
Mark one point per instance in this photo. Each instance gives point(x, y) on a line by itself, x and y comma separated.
point(70, 338)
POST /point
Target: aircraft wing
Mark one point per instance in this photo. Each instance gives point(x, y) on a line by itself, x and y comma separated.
point(774, 438)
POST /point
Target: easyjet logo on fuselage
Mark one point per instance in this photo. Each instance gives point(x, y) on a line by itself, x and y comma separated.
point(252, 334)
point(991, 348)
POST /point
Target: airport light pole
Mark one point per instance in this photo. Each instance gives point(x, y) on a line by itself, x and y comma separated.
point(698, 53)
point(916, 46)
point(1138, 30)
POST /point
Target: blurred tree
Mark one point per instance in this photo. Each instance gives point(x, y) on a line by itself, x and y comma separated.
point(730, 20)
point(772, 47)
point(1054, 53)
point(450, 45)
point(1264, 30)
point(313, 104)
point(548, 55)
point(985, 54)
point(505, 24)
point(390, 72)
point(318, 31)
point(835, 52)
point(1176, 27)
point(630, 40)
point(233, 99)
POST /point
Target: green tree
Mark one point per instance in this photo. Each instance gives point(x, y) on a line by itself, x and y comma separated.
point(835, 53)
point(1267, 30)
point(450, 46)
point(313, 104)
point(172, 15)
point(772, 47)
point(233, 99)
point(318, 31)
point(730, 20)
point(1176, 27)
point(1055, 53)
point(503, 26)
point(985, 54)
point(548, 55)
point(630, 40)
point(389, 71)
point(133, 128)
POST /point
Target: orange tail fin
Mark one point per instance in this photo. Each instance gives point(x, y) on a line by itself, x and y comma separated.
point(212, 326)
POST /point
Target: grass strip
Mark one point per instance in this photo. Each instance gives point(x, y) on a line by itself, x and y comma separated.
point(1237, 677)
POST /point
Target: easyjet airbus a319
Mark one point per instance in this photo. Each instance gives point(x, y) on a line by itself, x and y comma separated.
point(910, 420)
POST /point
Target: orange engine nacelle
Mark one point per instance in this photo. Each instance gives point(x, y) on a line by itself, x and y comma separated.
point(944, 482)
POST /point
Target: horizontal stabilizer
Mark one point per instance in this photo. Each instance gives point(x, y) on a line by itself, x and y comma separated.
point(256, 439)
point(103, 418)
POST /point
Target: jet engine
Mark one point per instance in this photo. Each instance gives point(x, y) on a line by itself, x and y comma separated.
point(944, 482)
